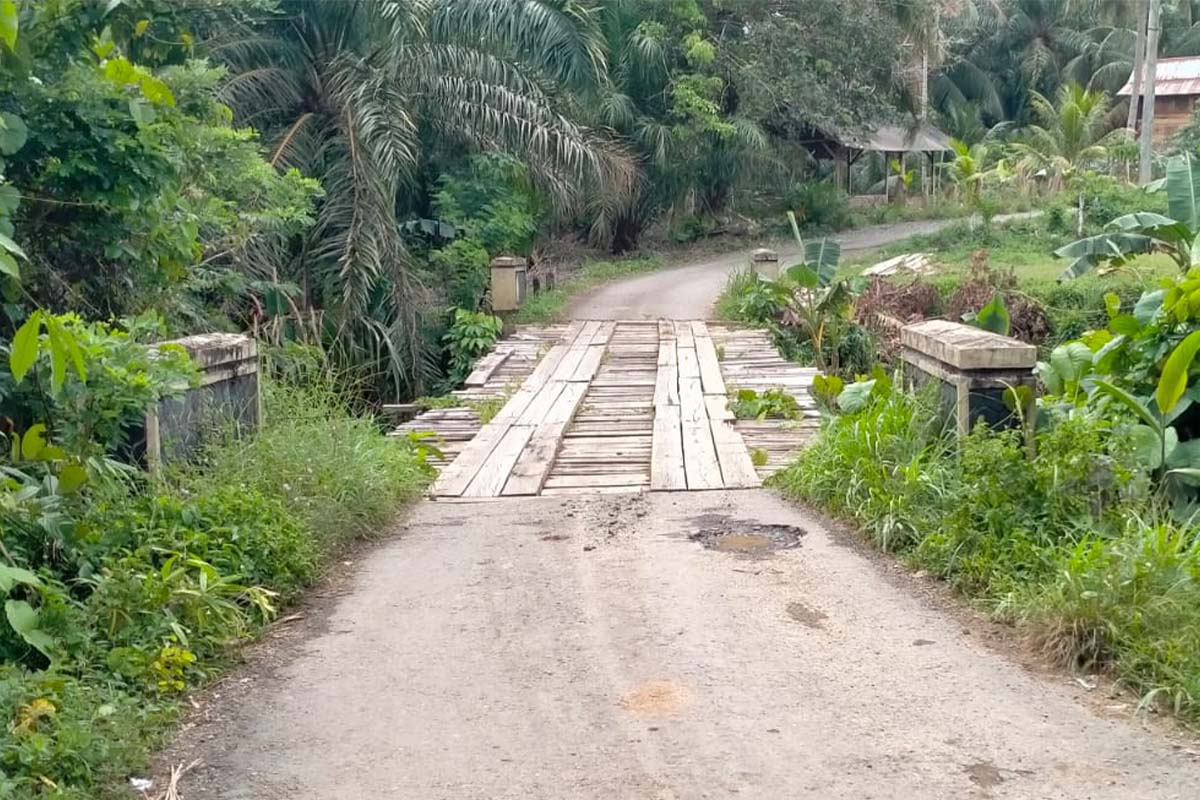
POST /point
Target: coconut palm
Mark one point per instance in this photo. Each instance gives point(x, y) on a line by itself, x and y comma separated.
point(1071, 135)
point(356, 92)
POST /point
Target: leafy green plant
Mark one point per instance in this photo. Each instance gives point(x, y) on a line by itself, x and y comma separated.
point(992, 317)
point(1143, 232)
point(471, 335)
point(759, 457)
point(772, 404)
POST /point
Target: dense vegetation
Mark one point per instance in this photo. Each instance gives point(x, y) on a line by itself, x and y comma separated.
point(334, 176)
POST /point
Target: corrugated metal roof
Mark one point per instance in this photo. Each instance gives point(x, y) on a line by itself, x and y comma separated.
point(1172, 77)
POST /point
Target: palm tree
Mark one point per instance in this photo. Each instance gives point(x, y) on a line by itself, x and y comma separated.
point(356, 92)
point(1070, 136)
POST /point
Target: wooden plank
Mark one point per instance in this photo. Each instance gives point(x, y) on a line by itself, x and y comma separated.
point(456, 477)
point(492, 476)
point(691, 400)
point(683, 334)
point(710, 368)
point(666, 456)
point(541, 404)
point(717, 407)
point(528, 474)
point(737, 470)
point(541, 374)
point(486, 367)
point(666, 381)
point(689, 365)
point(700, 463)
point(589, 364)
point(570, 362)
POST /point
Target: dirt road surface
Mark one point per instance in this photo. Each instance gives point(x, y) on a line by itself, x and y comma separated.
point(590, 648)
point(688, 292)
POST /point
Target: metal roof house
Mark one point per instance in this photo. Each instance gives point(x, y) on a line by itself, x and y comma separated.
point(1176, 89)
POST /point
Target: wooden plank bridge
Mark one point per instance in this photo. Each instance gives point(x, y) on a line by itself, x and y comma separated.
point(604, 406)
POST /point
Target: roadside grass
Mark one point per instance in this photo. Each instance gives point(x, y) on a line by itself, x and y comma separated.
point(549, 306)
point(1026, 247)
point(1072, 546)
point(160, 579)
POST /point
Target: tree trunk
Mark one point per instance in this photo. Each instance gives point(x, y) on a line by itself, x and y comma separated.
point(627, 229)
point(1139, 63)
point(1152, 28)
point(1079, 221)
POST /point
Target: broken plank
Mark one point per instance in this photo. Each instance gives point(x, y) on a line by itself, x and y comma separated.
point(486, 366)
point(666, 456)
point(495, 470)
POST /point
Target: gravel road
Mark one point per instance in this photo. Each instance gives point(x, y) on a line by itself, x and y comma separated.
point(689, 291)
point(564, 649)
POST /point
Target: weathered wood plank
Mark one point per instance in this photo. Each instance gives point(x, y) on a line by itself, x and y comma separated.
point(689, 365)
point(700, 456)
point(490, 479)
point(710, 368)
point(717, 407)
point(691, 400)
point(683, 334)
point(486, 367)
point(541, 404)
point(456, 477)
point(529, 473)
point(737, 470)
point(666, 382)
point(589, 363)
point(666, 457)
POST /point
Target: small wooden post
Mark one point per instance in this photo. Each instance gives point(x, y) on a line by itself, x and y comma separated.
point(765, 263)
point(508, 282)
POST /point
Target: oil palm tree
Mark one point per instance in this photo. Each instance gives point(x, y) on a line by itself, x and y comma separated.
point(356, 92)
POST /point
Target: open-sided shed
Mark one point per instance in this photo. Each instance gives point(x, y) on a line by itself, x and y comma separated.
point(893, 141)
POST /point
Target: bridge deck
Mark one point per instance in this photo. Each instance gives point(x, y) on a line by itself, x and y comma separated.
point(607, 406)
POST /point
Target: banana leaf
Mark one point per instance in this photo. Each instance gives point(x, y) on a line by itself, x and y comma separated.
point(1183, 190)
point(1116, 248)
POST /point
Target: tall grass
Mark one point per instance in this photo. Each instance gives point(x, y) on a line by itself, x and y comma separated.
point(1071, 545)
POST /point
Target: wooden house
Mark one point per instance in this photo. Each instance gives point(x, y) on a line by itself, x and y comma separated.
point(1176, 89)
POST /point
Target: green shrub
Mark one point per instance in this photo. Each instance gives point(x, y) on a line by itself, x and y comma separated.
point(472, 335)
point(820, 205)
point(143, 586)
point(768, 404)
point(1070, 543)
point(463, 265)
point(1129, 603)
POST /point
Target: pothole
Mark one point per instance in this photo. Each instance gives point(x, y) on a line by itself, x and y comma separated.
point(749, 539)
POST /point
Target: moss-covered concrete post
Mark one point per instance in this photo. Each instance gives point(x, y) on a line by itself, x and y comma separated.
point(981, 375)
point(508, 282)
point(765, 263)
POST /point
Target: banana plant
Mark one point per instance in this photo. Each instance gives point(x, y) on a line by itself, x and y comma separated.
point(1142, 232)
point(818, 302)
